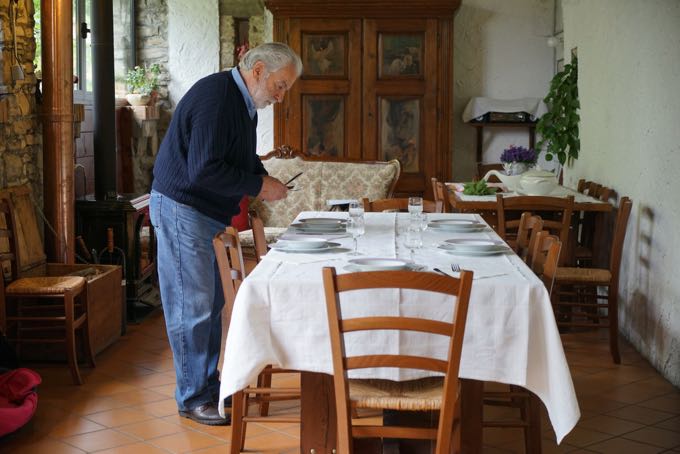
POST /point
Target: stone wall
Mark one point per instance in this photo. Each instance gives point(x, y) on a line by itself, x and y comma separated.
point(20, 130)
point(152, 47)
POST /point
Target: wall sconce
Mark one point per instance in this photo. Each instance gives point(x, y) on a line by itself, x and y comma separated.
point(554, 41)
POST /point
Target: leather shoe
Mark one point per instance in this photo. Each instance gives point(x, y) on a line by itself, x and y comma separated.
point(206, 414)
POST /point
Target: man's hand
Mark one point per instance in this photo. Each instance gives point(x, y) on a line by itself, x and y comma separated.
point(272, 189)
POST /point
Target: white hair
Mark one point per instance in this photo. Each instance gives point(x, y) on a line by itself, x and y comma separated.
point(274, 56)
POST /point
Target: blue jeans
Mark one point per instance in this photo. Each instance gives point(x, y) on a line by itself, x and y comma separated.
point(191, 293)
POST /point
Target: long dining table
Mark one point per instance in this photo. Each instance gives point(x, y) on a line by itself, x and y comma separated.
point(470, 203)
point(279, 317)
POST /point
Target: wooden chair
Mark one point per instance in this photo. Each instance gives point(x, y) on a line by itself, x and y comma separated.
point(546, 251)
point(232, 272)
point(441, 194)
point(555, 212)
point(482, 168)
point(582, 308)
point(588, 229)
point(400, 204)
point(439, 393)
point(32, 307)
point(546, 255)
point(529, 225)
point(259, 239)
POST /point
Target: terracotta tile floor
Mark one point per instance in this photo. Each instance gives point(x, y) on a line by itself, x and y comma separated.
point(126, 406)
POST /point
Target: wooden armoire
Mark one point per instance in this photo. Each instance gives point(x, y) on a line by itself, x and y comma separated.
point(377, 83)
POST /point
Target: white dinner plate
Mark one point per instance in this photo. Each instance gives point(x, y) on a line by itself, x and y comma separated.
point(329, 245)
point(321, 228)
point(498, 251)
point(303, 243)
point(471, 244)
point(408, 267)
point(378, 264)
point(322, 221)
point(457, 226)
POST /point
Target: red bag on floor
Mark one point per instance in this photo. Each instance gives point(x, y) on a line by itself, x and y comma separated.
point(18, 399)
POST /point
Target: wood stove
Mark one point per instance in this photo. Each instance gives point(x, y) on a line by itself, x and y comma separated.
point(133, 245)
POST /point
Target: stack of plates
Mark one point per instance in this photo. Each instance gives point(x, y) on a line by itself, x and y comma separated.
point(378, 264)
point(452, 225)
point(320, 225)
point(304, 245)
point(474, 247)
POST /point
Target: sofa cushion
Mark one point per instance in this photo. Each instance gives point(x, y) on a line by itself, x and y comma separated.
point(356, 180)
point(321, 181)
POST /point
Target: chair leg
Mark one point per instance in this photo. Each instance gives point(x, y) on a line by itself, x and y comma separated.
point(532, 433)
point(613, 315)
point(264, 381)
point(87, 342)
point(70, 339)
point(237, 425)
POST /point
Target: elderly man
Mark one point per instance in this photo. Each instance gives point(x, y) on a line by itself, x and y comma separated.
point(205, 165)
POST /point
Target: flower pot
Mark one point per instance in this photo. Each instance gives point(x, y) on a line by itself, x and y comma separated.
point(137, 99)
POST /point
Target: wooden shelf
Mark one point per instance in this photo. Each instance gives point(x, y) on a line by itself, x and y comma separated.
point(531, 127)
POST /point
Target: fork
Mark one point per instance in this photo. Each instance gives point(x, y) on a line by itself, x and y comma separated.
point(455, 267)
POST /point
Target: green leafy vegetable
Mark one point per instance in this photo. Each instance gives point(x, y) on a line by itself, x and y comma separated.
point(478, 188)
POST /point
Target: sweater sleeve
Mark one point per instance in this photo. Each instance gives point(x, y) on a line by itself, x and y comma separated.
point(211, 150)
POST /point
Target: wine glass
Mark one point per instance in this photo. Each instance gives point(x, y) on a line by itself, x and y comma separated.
point(415, 205)
point(414, 238)
point(356, 225)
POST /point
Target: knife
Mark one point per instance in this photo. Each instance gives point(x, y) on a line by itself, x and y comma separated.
point(291, 180)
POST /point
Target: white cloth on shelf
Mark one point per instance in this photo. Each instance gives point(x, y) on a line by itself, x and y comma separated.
point(479, 106)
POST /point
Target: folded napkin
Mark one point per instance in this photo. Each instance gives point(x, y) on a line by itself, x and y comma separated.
point(298, 258)
point(293, 234)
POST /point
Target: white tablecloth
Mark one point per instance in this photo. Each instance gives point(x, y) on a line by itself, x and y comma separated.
point(511, 337)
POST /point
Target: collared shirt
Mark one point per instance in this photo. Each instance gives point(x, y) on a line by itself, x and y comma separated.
point(250, 104)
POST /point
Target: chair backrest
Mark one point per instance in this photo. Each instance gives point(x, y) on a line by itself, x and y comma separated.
point(335, 285)
point(230, 263)
point(560, 209)
point(529, 226)
point(620, 229)
point(545, 257)
point(8, 249)
point(259, 238)
point(482, 168)
point(441, 194)
point(400, 204)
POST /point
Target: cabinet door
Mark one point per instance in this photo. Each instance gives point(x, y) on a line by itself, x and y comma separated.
point(324, 107)
point(400, 78)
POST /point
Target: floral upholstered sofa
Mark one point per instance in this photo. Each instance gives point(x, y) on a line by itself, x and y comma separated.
point(320, 181)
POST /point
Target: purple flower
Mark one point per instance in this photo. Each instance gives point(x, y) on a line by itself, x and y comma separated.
point(518, 154)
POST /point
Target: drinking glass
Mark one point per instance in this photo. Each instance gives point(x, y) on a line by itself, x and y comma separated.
point(356, 225)
point(415, 205)
point(414, 239)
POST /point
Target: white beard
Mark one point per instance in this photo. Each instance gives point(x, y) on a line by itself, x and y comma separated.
point(260, 95)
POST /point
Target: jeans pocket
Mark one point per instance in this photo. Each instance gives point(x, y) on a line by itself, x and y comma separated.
point(155, 209)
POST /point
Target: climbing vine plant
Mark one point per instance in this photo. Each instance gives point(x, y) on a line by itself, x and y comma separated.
point(559, 127)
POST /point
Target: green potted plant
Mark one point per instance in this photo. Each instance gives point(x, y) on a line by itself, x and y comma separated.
point(559, 127)
point(141, 82)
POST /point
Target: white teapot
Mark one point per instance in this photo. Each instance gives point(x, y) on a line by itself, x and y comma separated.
point(532, 182)
point(537, 182)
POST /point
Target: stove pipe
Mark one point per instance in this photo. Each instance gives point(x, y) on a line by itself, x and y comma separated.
point(104, 100)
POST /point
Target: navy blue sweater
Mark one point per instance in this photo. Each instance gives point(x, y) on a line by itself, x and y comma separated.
point(207, 159)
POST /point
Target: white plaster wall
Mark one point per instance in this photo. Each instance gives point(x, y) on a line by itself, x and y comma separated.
point(629, 87)
point(500, 51)
point(193, 43)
